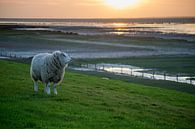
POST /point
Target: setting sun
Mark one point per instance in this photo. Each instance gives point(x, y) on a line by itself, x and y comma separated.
point(122, 4)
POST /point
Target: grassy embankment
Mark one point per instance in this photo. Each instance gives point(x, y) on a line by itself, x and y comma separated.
point(90, 102)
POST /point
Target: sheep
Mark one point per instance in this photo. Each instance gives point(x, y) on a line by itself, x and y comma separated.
point(49, 68)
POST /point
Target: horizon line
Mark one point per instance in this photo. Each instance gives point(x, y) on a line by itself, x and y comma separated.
point(97, 17)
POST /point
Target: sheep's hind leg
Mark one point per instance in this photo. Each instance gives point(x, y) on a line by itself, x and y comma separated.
point(54, 89)
point(47, 88)
point(36, 86)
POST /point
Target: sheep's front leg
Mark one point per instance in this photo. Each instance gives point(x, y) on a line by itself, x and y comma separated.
point(54, 89)
point(36, 86)
point(47, 88)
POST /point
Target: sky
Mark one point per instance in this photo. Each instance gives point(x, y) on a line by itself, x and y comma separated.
point(96, 8)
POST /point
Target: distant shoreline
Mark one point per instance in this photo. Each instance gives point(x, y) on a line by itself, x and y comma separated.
point(149, 19)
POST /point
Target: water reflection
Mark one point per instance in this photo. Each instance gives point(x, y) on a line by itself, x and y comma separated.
point(127, 26)
point(130, 70)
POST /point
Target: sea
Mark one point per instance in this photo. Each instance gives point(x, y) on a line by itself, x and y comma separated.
point(167, 28)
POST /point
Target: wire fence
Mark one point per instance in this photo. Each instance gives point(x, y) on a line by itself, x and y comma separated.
point(128, 70)
point(10, 55)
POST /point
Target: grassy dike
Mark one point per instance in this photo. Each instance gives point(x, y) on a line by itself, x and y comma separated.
point(90, 102)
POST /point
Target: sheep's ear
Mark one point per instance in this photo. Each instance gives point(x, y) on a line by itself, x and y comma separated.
point(56, 53)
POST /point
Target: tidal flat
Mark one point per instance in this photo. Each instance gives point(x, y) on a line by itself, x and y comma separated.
point(172, 55)
point(29, 42)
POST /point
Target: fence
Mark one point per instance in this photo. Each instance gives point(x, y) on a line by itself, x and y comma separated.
point(4, 54)
point(128, 70)
point(124, 70)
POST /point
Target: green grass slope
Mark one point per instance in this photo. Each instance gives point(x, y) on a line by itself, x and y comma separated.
point(89, 102)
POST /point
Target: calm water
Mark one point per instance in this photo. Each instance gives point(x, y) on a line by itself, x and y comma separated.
point(178, 28)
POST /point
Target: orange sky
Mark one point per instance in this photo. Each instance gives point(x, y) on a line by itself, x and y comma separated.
point(94, 9)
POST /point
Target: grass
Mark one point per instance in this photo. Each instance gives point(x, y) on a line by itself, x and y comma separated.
point(182, 87)
point(90, 102)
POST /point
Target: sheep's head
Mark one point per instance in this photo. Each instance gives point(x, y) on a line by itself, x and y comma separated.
point(63, 57)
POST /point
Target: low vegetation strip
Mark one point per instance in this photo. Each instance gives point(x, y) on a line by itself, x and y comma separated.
point(86, 102)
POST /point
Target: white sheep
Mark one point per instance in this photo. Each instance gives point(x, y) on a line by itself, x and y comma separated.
point(49, 68)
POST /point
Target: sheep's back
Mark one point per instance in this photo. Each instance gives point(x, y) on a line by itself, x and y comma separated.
point(36, 65)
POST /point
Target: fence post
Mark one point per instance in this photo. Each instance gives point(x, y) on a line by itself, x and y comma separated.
point(153, 74)
point(131, 72)
point(164, 76)
point(95, 67)
point(190, 80)
point(142, 74)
